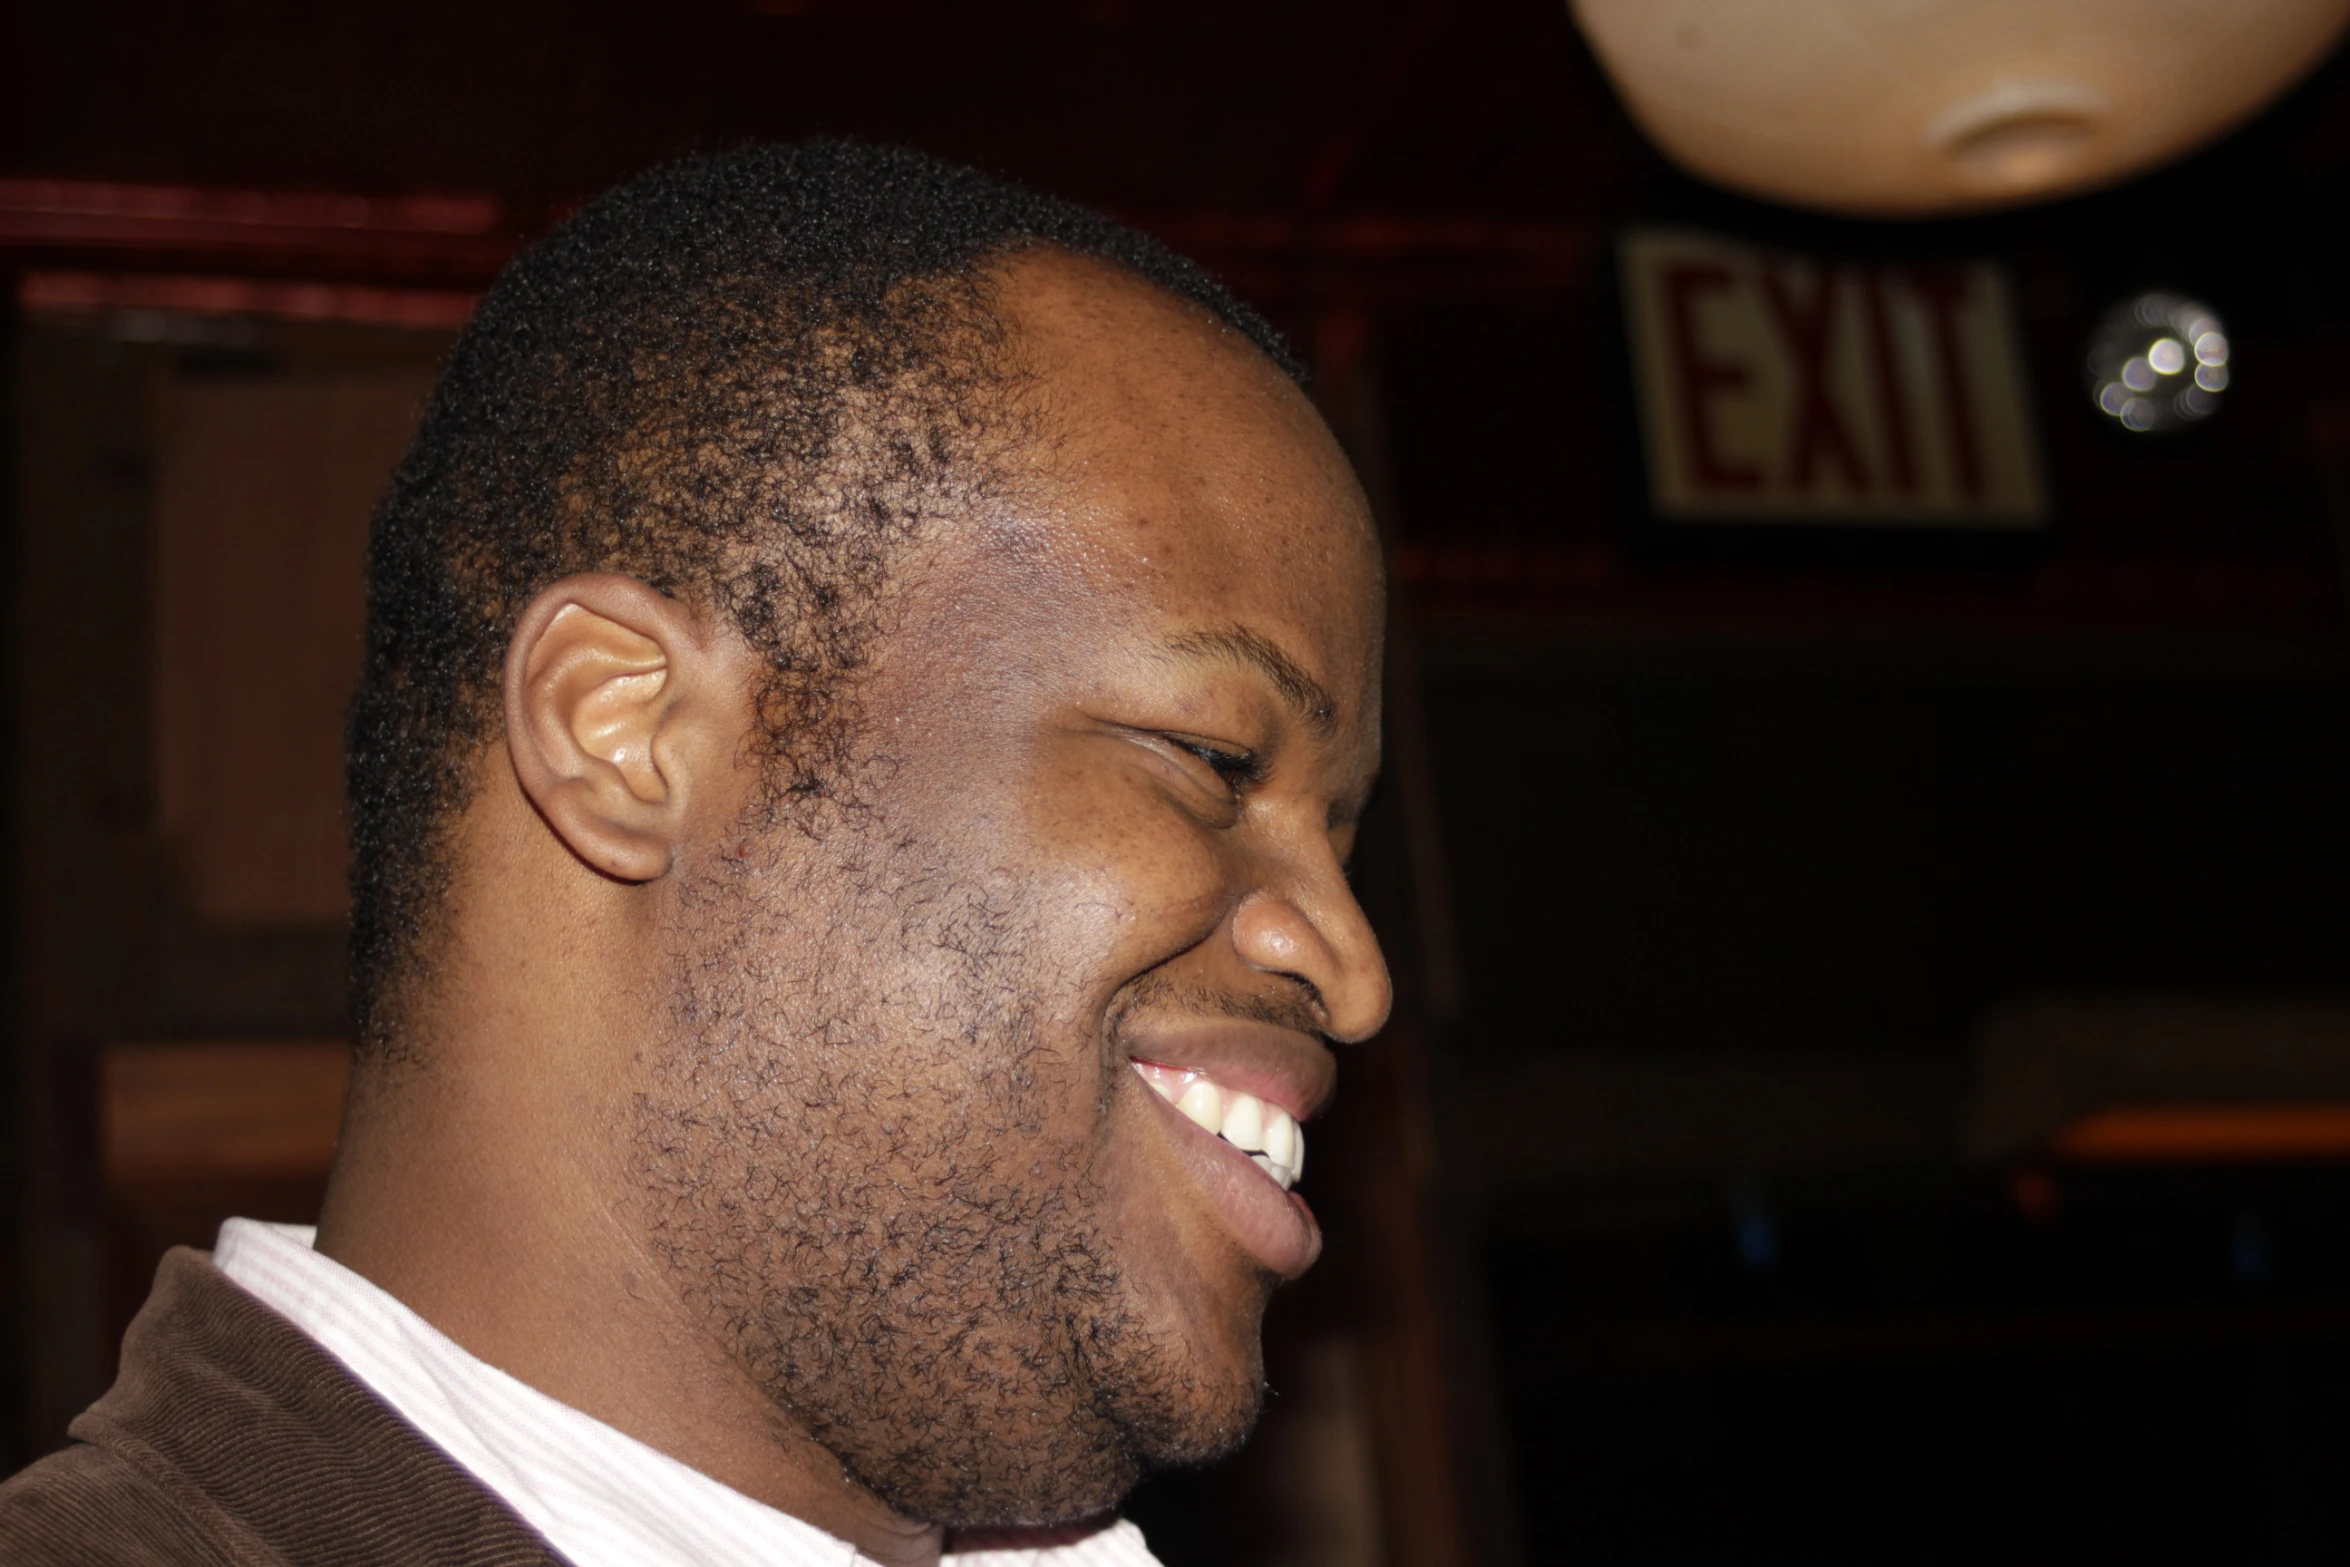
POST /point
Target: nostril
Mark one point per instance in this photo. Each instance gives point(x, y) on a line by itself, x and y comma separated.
point(1329, 953)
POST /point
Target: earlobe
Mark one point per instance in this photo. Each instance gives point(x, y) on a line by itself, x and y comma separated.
point(594, 686)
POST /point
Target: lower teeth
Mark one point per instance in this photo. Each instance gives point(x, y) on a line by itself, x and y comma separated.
point(1265, 1163)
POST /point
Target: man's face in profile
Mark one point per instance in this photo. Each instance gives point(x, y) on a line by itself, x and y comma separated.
point(925, 1142)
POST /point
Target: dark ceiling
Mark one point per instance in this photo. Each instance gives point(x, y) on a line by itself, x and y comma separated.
point(1456, 167)
point(1137, 104)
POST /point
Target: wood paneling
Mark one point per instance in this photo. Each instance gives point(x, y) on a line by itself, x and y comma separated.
point(220, 1110)
point(263, 494)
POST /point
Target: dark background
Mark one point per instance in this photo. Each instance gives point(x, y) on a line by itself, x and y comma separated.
point(1706, 864)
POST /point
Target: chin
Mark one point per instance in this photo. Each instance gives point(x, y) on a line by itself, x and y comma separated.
point(1213, 1403)
point(1087, 1480)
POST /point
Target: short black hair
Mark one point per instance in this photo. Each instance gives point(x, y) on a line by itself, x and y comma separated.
point(745, 379)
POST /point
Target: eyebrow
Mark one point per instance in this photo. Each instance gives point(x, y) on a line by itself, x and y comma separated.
point(1300, 692)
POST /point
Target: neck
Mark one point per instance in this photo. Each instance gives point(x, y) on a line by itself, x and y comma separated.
point(492, 1206)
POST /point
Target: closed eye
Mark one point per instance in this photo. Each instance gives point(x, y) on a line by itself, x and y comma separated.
point(1239, 770)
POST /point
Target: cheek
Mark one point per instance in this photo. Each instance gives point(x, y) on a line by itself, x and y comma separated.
point(1126, 880)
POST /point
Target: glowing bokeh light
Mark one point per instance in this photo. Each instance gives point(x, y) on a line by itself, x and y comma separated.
point(2157, 363)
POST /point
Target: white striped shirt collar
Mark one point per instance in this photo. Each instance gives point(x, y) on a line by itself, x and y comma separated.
point(600, 1497)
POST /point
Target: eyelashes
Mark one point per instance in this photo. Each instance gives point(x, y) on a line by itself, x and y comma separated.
point(1237, 770)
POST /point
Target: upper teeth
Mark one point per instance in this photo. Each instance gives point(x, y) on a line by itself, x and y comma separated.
point(1268, 1134)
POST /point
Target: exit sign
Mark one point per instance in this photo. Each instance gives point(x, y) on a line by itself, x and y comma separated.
point(1785, 389)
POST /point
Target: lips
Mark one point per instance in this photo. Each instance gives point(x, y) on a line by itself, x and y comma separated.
point(1232, 1095)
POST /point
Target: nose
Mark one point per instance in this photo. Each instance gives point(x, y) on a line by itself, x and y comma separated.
point(1314, 931)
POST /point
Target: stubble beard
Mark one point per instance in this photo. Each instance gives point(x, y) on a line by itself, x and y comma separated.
point(850, 1160)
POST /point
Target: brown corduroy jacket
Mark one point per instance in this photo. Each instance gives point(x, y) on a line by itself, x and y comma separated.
point(230, 1438)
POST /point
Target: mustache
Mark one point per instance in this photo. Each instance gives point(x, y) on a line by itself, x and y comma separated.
point(1157, 994)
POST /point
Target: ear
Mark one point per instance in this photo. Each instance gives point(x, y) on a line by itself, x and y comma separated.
point(610, 687)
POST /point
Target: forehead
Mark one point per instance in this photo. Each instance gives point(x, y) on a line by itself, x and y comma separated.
point(1177, 475)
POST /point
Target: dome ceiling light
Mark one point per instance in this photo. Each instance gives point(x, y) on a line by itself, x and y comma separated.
point(1922, 107)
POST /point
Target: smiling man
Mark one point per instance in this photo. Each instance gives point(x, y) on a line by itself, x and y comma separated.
point(872, 675)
